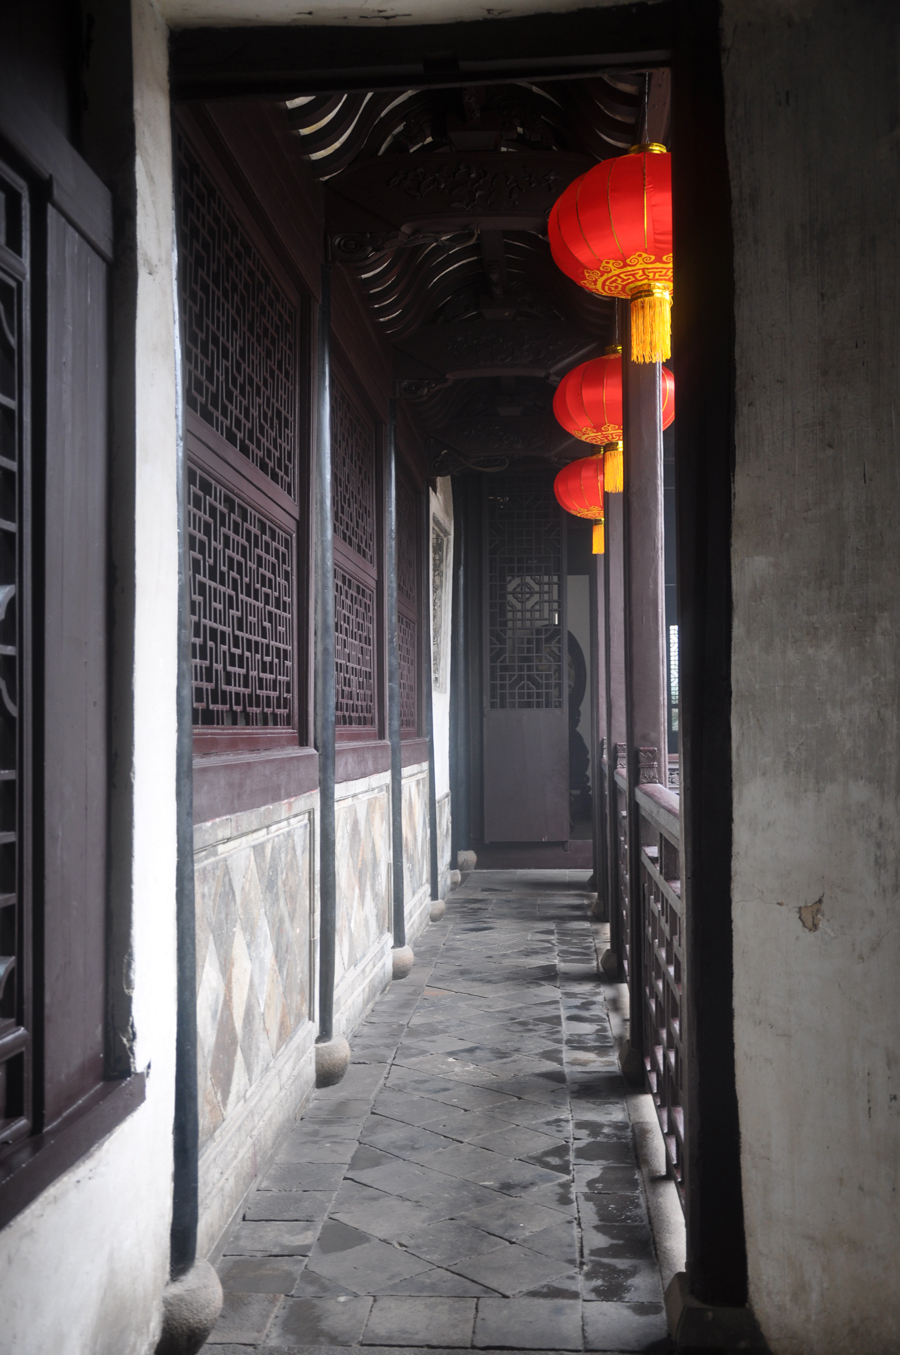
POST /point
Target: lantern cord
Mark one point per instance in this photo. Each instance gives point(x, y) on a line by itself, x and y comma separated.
point(598, 542)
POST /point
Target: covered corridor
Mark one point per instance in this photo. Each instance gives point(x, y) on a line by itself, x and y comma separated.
point(472, 1181)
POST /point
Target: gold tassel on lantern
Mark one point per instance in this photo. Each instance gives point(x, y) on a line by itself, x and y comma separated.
point(598, 541)
point(651, 324)
point(613, 468)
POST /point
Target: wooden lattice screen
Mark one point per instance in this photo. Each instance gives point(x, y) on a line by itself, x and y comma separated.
point(408, 568)
point(242, 363)
point(356, 575)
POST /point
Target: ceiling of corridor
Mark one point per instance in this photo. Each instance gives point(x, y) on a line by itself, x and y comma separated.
point(436, 200)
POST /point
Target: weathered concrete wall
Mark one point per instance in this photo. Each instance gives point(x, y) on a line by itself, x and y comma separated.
point(85, 1265)
point(814, 148)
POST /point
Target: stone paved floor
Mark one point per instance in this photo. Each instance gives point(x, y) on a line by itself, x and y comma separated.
point(472, 1181)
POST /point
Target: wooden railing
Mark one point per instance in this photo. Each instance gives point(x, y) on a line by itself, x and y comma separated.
point(662, 935)
point(655, 976)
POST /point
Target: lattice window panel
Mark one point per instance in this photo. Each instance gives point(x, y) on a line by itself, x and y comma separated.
point(406, 646)
point(353, 475)
point(407, 537)
point(240, 331)
point(354, 651)
point(241, 610)
point(15, 1051)
point(525, 653)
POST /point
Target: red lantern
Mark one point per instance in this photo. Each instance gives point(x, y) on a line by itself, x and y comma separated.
point(588, 404)
point(611, 231)
point(579, 488)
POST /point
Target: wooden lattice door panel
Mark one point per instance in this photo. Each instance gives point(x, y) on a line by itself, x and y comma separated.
point(526, 736)
point(242, 610)
point(15, 930)
point(54, 570)
point(246, 364)
point(355, 497)
point(408, 572)
point(241, 339)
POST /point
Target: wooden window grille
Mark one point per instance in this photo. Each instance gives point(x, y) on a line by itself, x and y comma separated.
point(245, 361)
point(408, 568)
point(356, 575)
point(524, 564)
point(240, 330)
point(241, 610)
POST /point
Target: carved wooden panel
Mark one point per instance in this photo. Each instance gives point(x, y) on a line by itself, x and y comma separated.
point(453, 188)
point(354, 652)
point(241, 610)
point(406, 645)
point(353, 475)
point(240, 330)
point(524, 567)
point(440, 583)
point(407, 543)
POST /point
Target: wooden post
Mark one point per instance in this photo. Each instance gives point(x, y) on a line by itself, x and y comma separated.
point(704, 364)
point(614, 598)
point(645, 654)
point(599, 746)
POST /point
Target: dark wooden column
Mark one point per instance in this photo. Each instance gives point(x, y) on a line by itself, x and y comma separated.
point(645, 655)
point(614, 598)
point(703, 362)
point(599, 745)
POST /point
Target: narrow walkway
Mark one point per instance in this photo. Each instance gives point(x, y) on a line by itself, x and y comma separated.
point(472, 1180)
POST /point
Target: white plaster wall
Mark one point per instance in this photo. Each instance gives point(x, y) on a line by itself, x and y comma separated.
point(83, 1268)
point(814, 150)
point(442, 510)
point(194, 13)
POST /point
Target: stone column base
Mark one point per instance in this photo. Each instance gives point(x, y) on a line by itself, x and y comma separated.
point(702, 1329)
point(332, 1060)
point(191, 1308)
point(632, 1064)
point(436, 910)
point(402, 959)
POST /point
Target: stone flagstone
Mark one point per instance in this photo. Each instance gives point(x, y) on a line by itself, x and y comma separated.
point(472, 1183)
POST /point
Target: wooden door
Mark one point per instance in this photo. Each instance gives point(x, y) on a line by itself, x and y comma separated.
point(525, 698)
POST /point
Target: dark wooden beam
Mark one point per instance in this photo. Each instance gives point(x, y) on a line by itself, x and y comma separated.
point(528, 348)
point(393, 196)
point(209, 63)
point(526, 435)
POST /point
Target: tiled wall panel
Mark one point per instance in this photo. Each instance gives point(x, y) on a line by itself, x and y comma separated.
point(253, 904)
point(362, 851)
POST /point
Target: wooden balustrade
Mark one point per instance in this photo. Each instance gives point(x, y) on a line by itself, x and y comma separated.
point(662, 970)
